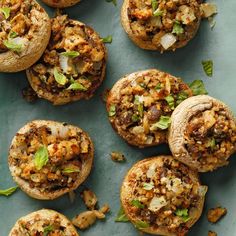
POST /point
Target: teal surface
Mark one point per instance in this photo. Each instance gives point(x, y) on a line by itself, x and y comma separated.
point(106, 176)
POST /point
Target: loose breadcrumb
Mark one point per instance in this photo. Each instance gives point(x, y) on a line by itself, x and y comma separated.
point(211, 233)
point(117, 157)
point(89, 198)
point(215, 214)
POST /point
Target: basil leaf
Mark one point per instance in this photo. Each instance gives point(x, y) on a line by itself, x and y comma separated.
point(13, 46)
point(71, 54)
point(197, 86)
point(59, 77)
point(41, 157)
point(8, 192)
point(77, 86)
point(107, 39)
point(171, 101)
point(148, 186)
point(112, 110)
point(47, 230)
point(177, 28)
point(113, 1)
point(163, 123)
point(137, 204)
point(6, 11)
point(183, 213)
point(181, 96)
point(121, 216)
point(141, 224)
point(13, 34)
point(69, 170)
point(208, 67)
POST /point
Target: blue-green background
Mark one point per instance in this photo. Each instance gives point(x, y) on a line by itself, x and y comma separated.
point(124, 57)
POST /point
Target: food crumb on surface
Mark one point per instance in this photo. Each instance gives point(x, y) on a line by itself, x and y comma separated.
point(212, 233)
point(29, 94)
point(117, 157)
point(215, 214)
point(89, 198)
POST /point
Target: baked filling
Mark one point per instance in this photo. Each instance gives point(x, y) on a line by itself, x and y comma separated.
point(145, 105)
point(163, 196)
point(210, 137)
point(73, 61)
point(19, 20)
point(50, 159)
point(164, 23)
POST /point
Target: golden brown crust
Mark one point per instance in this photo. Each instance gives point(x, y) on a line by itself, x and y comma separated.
point(130, 80)
point(148, 44)
point(13, 62)
point(60, 3)
point(43, 216)
point(179, 121)
point(129, 184)
point(40, 193)
point(63, 96)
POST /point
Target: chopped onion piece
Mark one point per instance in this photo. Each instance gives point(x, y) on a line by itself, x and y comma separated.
point(64, 63)
point(208, 9)
point(167, 40)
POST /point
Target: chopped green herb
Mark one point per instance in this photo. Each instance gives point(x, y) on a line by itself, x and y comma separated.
point(157, 12)
point(112, 110)
point(177, 28)
point(6, 11)
point(158, 87)
point(198, 88)
point(121, 216)
point(139, 104)
point(69, 170)
point(41, 157)
point(162, 124)
point(77, 86)
point(107, 39)
point(154, 5)
point(171, 101)
point(143, 85)
point(113, 1)
point(208, 67)
point(141, 224)
point(137, 204)
point(47, 230)
point(148, 186)
point(135, 118)
point(8, 192)
point(71, 54)
point(183, 213)
point(13, 46)
point(59, 77)
point(12, 34)
point(181, 96)
point(211, 143)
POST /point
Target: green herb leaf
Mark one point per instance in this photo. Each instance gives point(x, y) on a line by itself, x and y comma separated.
point(77, 86)
point(113, 1)
point(158, 87)
point(112, 110)
point(208, 67)
point(141, 224)
point(12, 34)
point(107, 39)
point(69, 170)
point(211, 143)
point(135, 118)
point(162, 124)
point(47, 230)
point(137, 204)
point(181, 96)
point(177, 28)
point(121, 216)
point(148, 186)
point(6, 11)
point(13, 46)
point(8, 192)
point(198, 88)
point(154, 5)
point(183, 213)
point(157, 12)
point(59, 77)
point(41, 157)
point(171, 101)
point(71, 54)
point(139, 104)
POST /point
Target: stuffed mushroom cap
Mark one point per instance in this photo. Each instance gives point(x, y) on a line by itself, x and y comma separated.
point(48, 159)
point(162, 196)
point(60, 3)
point(43, 222)
point(202, 133)
point(140, 105)
point(73, 65)
point(161, 25)
point(24, 34)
